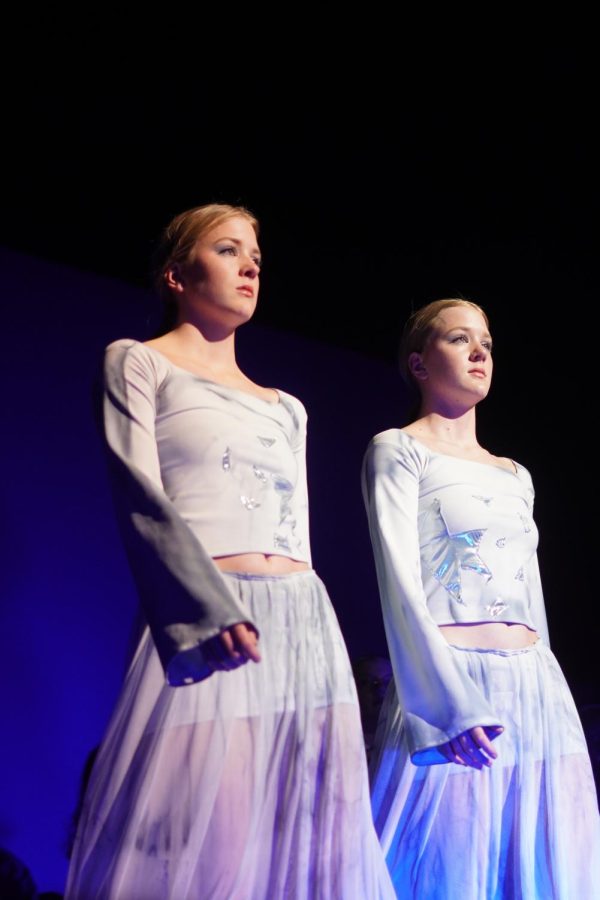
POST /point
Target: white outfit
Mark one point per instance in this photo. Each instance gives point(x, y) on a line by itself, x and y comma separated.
point(247, 784)
point(455, 543)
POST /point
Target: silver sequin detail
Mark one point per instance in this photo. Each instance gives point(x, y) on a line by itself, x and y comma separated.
point(282, 485)
point(526, 523)
point(249, 502)
point(501, 542)
point(446, 554)
point(266, 442)
point(281, 542)
point(486, 500)
point(285, 490)
point(497, 607)
point(259, 474)
point(520, 576)
point(226, 460)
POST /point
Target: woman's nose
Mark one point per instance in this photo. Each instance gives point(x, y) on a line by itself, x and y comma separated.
point(250, 267)
point(479, 352)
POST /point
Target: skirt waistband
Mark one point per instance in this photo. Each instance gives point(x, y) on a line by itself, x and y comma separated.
point(251, 576)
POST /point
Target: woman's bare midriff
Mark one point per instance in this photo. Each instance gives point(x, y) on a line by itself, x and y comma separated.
point(260, 564)
point(490, 635)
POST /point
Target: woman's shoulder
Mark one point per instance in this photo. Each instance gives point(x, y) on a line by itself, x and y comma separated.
point(131, 358)
point(396, 447)
point(292, 400)
point(127, 347)
point(524, 476)
point(401, 440)
point(296, 412)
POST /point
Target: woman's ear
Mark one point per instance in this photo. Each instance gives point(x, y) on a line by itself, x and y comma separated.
point(173, 278)
point(416, 366)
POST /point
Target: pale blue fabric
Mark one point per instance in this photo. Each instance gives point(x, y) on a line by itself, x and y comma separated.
point(454, 543)
point(199, 470)
point(251, 783)
point(527, 827)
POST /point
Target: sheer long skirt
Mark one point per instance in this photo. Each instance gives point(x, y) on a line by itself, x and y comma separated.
point(247, 786)
point(526, 829)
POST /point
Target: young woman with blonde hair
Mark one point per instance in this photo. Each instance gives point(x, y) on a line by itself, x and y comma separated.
point(243, 774)
point(482, 785)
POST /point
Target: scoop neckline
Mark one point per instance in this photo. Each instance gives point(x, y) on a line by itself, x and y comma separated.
point(476, 462)
point(218, 384)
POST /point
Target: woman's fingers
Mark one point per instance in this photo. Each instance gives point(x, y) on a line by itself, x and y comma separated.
point(245, 641)
point(232, 648)
point(454, 753)
point(471, 748)
point(217, 652)
point(461, 752)
point(446, 751)
point(472, 752)
point(484, 744)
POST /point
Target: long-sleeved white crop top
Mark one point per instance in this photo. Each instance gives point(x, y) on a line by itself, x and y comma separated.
point(454, 543)
point(201, 470)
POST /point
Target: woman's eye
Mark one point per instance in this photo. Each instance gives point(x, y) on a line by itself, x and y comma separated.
point(257, 261)
point(231, 251)
point(459, 338)
point(487, 345)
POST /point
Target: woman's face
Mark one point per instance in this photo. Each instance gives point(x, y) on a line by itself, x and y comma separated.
point(219, 285)
point(456, 365)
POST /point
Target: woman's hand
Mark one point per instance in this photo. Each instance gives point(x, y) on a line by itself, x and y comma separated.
point(232, 647)
point(473, 747)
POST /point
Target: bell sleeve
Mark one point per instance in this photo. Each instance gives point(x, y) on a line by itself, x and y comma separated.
point(438, 700)
point(298, 508)
point(537, 607)
point(183, 594)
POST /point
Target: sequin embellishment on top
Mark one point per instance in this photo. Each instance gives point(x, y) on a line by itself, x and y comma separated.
point(497, 607)
point(446, 554)
point(526, 523)
point(286, 520)
point(284, 539)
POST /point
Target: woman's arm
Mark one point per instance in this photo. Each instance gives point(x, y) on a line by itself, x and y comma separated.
point(473, 747)
point(537, 606)
point(439, 701)
point(185, 597)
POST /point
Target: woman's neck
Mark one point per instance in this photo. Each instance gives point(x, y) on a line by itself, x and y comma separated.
point(213, 352)
point(459, 432)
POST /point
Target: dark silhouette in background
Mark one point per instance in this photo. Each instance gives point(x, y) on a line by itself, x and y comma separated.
point(16, 882)
point(372, 675)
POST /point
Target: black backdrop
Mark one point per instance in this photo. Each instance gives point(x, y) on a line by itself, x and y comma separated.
point(379, 186)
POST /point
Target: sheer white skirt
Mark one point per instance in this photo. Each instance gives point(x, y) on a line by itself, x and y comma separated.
point(247, 786)
point(526, 829)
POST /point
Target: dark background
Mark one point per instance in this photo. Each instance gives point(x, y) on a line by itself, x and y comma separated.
point(384, 175)
point(381, 183)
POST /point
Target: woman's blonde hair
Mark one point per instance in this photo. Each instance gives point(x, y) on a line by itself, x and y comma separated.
point(419, 327)
point(177, 242)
